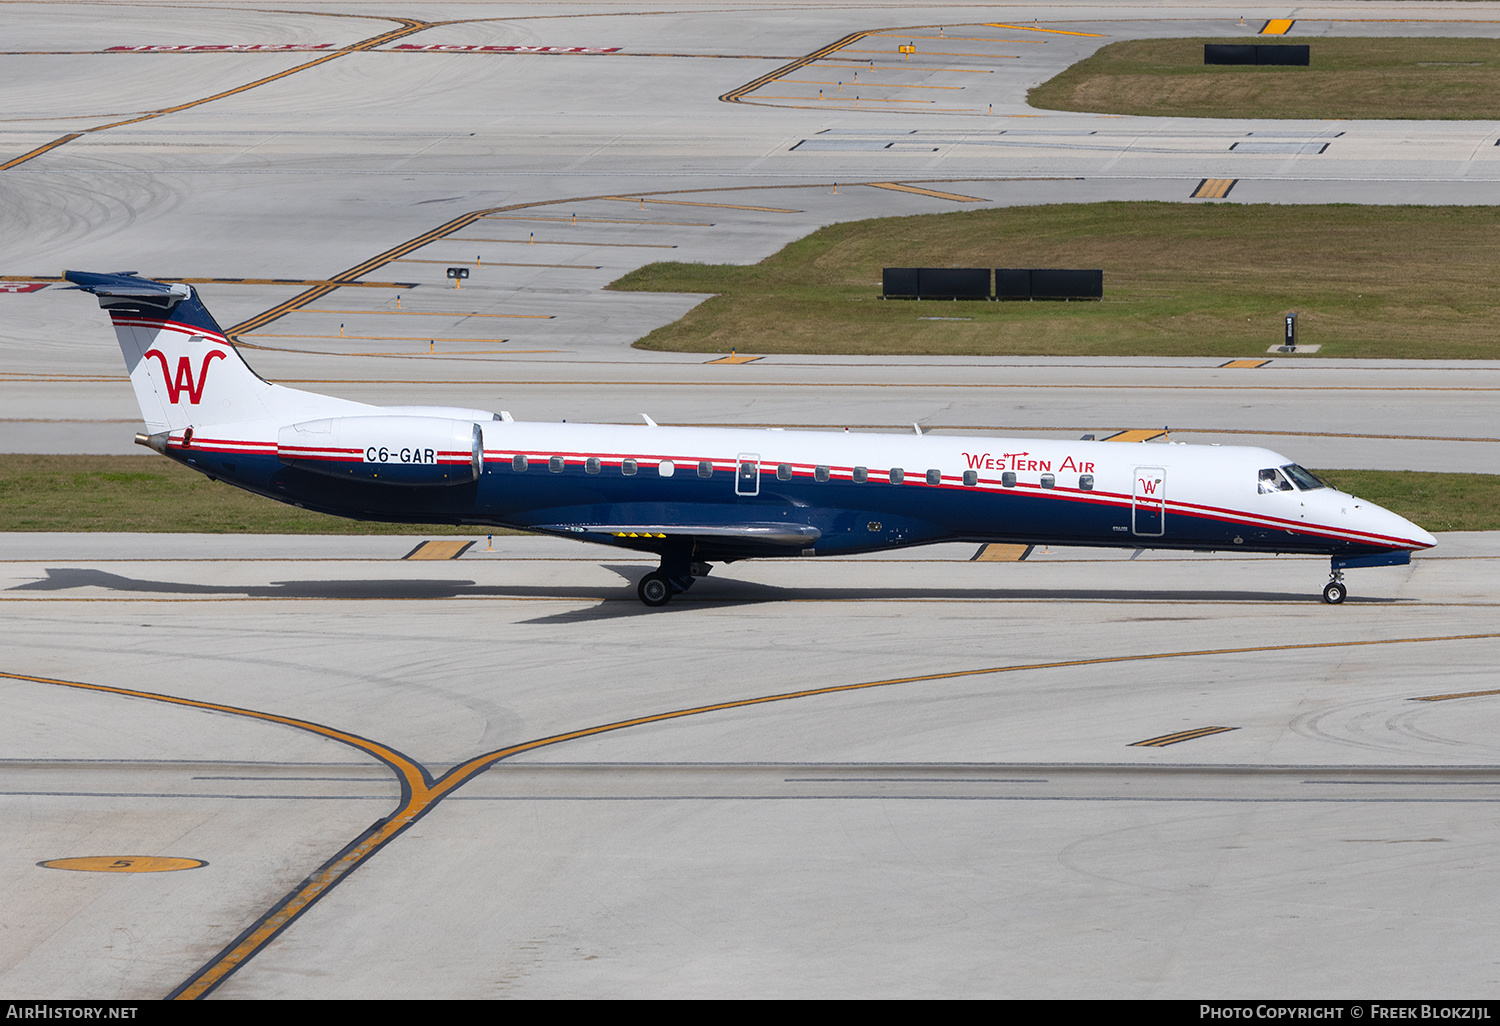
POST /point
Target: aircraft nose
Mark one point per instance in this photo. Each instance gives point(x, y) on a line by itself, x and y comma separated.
point(1423, 538)
point(1398, 526)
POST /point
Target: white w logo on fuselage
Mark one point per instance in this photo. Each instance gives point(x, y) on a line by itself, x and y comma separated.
point(184, 380)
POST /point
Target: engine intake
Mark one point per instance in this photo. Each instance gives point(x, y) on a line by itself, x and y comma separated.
point(386, 450)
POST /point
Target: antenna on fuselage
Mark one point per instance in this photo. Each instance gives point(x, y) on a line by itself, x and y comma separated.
point(649, 421)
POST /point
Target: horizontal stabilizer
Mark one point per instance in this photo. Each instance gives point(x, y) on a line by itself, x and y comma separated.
point(127, 284)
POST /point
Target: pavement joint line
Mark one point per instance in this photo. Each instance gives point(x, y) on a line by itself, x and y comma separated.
point(439, 313)
point(495, 263)
point(943, 53)
point(882, 85)
point(1257, 603)
point(443, 231)
point(380, 338)
point(557, 242)
point(689, 203)
point(420, 792)
point(599, 220)
point(407, 27)
point(961, 39)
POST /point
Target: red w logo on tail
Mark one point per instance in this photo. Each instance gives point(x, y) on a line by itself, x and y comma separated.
point(184, 379)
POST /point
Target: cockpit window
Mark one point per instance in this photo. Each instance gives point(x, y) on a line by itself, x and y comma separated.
point(1272, 481)
point(1306, 479)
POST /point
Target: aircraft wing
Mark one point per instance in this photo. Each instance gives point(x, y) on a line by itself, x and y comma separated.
point(779, 535)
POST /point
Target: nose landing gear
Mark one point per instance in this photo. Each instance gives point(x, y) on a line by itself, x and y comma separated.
point(1335, 590)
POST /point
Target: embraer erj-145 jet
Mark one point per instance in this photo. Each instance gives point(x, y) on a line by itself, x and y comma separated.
point(696, 496)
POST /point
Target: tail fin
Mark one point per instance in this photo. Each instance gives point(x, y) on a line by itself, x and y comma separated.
point(185, 371)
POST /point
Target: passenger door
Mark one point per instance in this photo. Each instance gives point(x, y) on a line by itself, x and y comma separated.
point(1148, 502)
point(747, 473)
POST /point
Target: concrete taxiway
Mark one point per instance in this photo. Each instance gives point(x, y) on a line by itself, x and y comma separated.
point(1086, 773)
point(984, 777)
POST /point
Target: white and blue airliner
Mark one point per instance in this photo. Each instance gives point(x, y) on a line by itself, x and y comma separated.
point(697, 496)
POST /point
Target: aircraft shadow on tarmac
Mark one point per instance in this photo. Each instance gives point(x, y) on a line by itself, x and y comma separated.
point(615, 601)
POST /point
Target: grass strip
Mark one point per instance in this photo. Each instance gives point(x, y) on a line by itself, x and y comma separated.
point(1180, 279)
point(1437, 502)
point(148, 494)
point(151, 494)
point(1395, 78)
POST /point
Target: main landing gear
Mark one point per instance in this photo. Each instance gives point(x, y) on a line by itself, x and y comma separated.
point(675, 575)
point(1335, 590)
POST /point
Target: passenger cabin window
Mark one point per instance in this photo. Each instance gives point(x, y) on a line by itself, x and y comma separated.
point(518, 462)
point(971, 478)
point(820, 474)
point(1008, 479)
point(1305, 479)
point(1048, 481)
point(783, 472)
point(705, 468)
point(934, 477)
point(860, 475)
point(627, 467)
point(591, 465)
point(1085, 482)
point(665, 468)
point(1272, 481)
point(557, 464)
point(897, 475)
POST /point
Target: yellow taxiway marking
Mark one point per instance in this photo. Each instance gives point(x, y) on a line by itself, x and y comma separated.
point(691, 203)
point(123, 864)
point(964, 39)
point(439, 550)
point(956, 197)
point(737, 95)
point(869, 105)
point(494, 263)
point(1136, 435)
point(54, 144)
point(998, 553)
point(408, 26)
point(1214, 188)
point(881, 85)
point(1055, 32)
point(844, 97)
point(440, 313)
point(1457, 694)
point(1179, 737)
point(557, 242)
point(735, 358)
point(596, 220)
point(1248, 364)
point(420, 792)
point(1277, 26)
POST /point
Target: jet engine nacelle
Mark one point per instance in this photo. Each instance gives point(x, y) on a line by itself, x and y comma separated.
point(393, 450)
